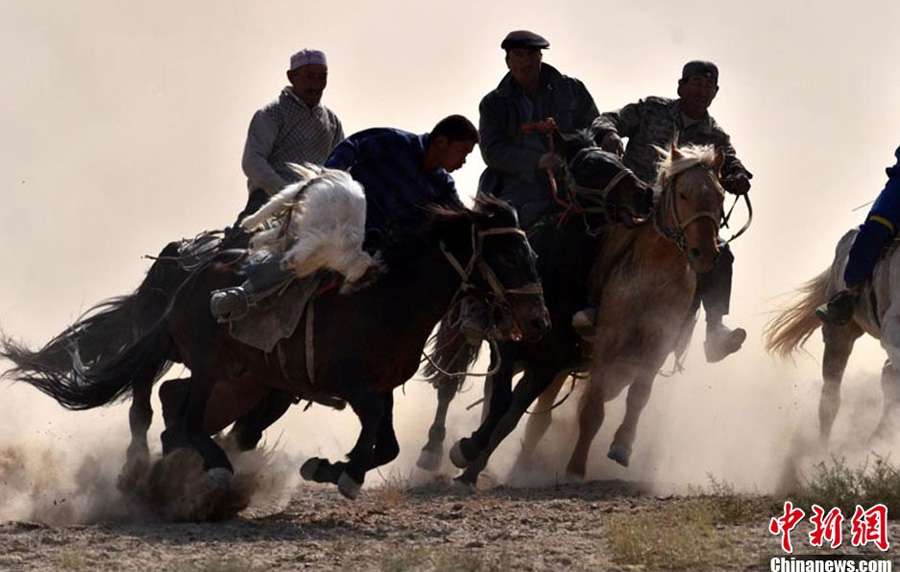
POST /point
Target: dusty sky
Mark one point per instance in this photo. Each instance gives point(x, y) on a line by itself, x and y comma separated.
point(122, 127)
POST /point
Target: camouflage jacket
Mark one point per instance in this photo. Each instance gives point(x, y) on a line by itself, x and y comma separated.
point(655, 121)
point(511, 154)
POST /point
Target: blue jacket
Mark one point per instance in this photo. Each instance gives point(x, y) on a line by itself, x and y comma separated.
point(881, 226)
point(389, 163)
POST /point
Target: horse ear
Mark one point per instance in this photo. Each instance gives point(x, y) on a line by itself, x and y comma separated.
point(674, 153)
point(719, 161)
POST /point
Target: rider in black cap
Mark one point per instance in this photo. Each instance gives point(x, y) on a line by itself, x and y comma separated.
point(531, 92)
point(517, 159)
point(524, 40)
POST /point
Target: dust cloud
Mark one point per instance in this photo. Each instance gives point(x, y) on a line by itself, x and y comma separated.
point(123, 126)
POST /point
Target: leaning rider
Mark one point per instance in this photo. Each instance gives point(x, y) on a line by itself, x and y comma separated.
point(874, 236)
point(400, 172)
point(654, 122)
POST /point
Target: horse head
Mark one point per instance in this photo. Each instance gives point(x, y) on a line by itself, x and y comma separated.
point(690, 201)
point(605, 190)
point(507, 273)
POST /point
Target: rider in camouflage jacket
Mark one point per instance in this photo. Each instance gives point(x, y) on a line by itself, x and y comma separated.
point(656, 121)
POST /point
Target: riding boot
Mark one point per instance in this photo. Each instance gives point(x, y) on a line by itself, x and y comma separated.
point(584, 322)
point(230, 304)
point(473, 320)
point(839, 309)
point(714, 290)
point(721, 341)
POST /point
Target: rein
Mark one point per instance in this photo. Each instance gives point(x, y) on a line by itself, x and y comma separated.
point(744, 228)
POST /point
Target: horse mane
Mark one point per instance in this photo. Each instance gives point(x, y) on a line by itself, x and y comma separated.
point(569, 144)
point(678, 160)
point(445, 223)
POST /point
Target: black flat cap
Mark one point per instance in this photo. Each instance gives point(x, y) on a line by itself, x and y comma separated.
point(523, 40)
point(699, 67)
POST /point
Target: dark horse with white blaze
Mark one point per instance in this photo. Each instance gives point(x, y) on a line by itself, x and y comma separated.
point(602, 191)
point(643, 282)
point(365, 343)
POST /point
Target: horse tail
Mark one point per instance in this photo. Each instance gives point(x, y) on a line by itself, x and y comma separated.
point(793, 325)
point(65, 367)
point(452, 355)
point(78, 385)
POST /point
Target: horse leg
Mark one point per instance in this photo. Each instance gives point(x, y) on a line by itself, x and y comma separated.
point(838, 345)
point(140, 416)
point(890, 388)
point(890, 378)
point(386, 446)
point(173, 395)
point(433, 452)
point(469, 448)
point(248, 429)
point(190, 428)
point(526, 391)
point(638, 396)
point(591, 413)
point(538, 422)
point(370, 408)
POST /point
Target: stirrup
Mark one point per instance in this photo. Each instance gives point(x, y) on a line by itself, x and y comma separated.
point(839, 310)
point(584, 322)
point(229, 304)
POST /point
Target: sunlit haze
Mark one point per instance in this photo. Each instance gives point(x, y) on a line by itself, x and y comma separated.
point(123, 124)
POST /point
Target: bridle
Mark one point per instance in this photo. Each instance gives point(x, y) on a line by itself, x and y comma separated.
point(599, 197)
point(477, 261)
point(669, 206)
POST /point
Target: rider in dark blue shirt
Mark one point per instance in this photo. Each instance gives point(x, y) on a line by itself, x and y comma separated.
point(874, 235)
point(400, 173)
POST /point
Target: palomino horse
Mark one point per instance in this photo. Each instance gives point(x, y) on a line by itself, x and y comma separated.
point(605, 192)
point(365, 343)
point(876, 313)
point(644, 280)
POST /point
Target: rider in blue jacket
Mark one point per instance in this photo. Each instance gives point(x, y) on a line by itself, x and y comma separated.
point(874, 236)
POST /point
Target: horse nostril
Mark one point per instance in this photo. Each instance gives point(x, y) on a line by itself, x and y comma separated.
point(695, 253)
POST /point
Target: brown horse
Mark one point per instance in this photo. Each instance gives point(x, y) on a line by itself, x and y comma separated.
point(644, 281)
point(365, 343)
point(876, 313)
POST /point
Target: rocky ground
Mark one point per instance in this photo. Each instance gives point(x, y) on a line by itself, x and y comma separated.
point(602, 525)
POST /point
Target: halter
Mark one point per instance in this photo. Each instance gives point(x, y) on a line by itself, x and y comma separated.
point(675, 233)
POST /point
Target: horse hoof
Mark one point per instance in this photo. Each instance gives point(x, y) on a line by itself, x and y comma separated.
point(348, 487)
point(429, 460)
point(619, 454)
point(220, 476)
point(456, 456)
point(309, 468)
point(463, 485)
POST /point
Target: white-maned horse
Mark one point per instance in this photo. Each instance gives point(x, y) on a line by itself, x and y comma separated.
point(325, 227)
point(876, 312)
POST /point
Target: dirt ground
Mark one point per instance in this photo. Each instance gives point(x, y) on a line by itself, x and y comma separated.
point(601, 525)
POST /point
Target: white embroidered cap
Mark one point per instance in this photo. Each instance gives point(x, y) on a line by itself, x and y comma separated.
point(306, 57)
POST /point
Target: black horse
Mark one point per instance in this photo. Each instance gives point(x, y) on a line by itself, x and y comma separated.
point(365, 344)
point(598, 191)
